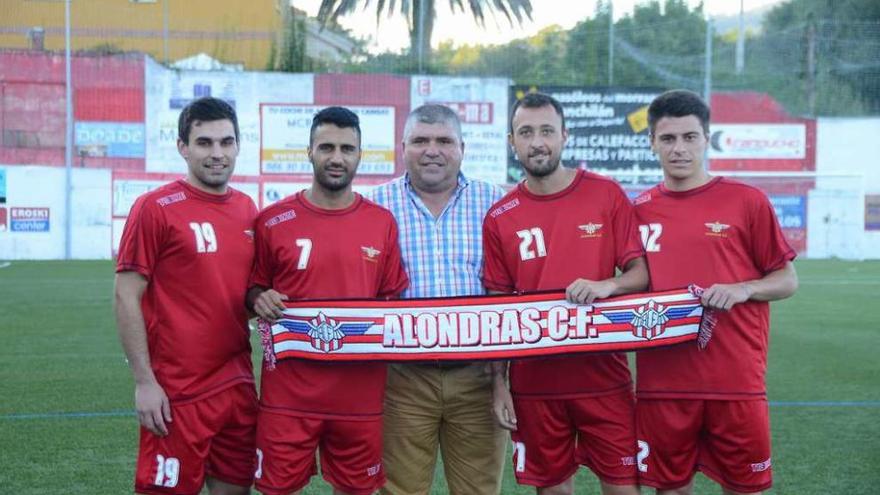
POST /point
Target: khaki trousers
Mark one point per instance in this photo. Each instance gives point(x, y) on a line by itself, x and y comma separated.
point(447, 406)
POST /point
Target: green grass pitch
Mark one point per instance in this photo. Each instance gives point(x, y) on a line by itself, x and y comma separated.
point(66, 391)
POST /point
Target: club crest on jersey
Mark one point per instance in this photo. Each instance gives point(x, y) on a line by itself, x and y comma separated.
point(716, 228)
point(325, 333)
point(649, 320)
point(591, 230)
point(371, 253)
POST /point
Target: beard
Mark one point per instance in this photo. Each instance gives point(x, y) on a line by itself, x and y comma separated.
point(333, 184)
point(541, 169)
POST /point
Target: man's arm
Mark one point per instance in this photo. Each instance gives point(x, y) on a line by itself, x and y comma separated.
point(633, 279)
point(778, 284)
point(266, 303)
point(502, 400)
point(151, 403)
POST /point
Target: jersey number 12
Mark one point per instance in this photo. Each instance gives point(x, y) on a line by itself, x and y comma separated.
point(651, 236)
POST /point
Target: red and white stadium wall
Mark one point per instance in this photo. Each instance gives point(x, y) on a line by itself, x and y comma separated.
point(126, 109)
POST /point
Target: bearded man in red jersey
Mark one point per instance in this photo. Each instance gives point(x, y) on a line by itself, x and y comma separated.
point(326, 242)
point(572, 229)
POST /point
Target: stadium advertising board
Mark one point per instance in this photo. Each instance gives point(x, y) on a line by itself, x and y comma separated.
point(872, 212)
point(274, 192)
point(607, 128)
point(791, 212)
point(2, 185)
point(36, 213)
point(3, 222)
point(125, 192)
point(758, 141)
point(29, 219)
point(481, 105)
point(285, 139)
point(168, 91)
point(110, 139)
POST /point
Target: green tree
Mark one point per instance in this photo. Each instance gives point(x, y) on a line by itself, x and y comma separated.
point(661, 46)
point(844, 38)
point(420, 15)
point(586, 53)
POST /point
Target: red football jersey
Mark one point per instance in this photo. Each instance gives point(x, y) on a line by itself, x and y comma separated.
point(306, 252)
point(722, 232)
point(536, 243)
point(196, 250)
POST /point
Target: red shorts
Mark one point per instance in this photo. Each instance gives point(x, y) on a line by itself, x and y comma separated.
point(729, 441)
point(546, 452)
point(350, 452)
point(213, 436)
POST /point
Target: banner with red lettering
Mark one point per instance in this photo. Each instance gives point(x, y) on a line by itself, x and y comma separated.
point(481, 327)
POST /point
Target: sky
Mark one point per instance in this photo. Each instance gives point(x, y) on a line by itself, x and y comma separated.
point(391, 33)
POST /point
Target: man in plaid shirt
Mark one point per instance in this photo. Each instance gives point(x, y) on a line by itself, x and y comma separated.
point(439, 213)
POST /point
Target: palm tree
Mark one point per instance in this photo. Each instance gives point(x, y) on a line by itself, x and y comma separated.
point(420, 15)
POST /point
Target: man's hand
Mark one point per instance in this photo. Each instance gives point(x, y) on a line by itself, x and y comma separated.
point(725, 296)
point(583, 291)
point(502, 403)
point(152, 406)
point(269, 305)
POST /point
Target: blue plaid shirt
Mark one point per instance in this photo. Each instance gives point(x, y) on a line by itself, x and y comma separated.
point(443, 256)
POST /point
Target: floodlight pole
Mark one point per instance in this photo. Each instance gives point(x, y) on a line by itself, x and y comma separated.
point(611, 42)
point(421, 37)
point(68, 136)
point(707, 80)
point(741, 41)
point(165, 31)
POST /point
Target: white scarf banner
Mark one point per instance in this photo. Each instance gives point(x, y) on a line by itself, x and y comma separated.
point(482, 327)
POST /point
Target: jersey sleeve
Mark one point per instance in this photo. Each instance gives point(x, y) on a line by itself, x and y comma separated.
point(142, 239)
point(261, 275)
point(770, 250)
point(394, 279)
point(627, 242)
point(496, 276)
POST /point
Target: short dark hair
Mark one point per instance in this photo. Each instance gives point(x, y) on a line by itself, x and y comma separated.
point(537, 100)
point(205, 109)
point(432, 113)
point(678, 103)
point(339, 116)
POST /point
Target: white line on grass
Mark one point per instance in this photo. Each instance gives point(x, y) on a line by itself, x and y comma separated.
point(838, 282)
point(4, 264)
point(68, 415)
